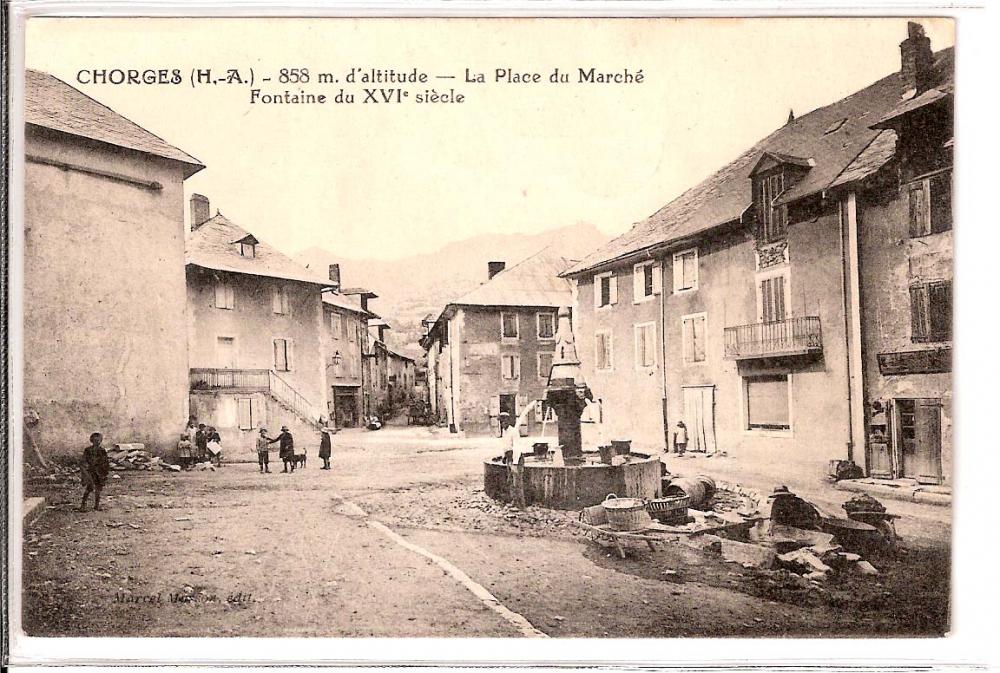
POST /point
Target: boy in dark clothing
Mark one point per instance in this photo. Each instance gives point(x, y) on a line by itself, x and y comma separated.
point(200, 443)
point(325, 447)
point(262, 444)
point(286, 449)
point(94, 470)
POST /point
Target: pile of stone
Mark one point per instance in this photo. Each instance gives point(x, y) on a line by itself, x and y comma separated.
point(136, 457)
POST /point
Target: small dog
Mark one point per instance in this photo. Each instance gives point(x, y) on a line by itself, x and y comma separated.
point(299, 460)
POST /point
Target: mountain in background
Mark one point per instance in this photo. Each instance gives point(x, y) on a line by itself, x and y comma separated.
point(412, 287)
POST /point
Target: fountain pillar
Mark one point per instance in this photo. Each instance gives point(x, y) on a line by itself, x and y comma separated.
point(567, 392)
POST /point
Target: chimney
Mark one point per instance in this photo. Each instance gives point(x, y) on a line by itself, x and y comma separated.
point(493, 268)
point(335, 276)
point(917, 59)
point(199, 211)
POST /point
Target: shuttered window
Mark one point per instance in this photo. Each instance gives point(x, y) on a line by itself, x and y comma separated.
point(930, 205)
point(605, 290)
point(767, 403)
point(603, 350)
point(930, 311)
point(645, 345)
point(245, 413)
point(508, 325)
point(693, 345)
point(225, 296)
point(336, 325)
point(773, 219)
point(546, 325)
point(686, 270)
point(646, 281)
point(510, 367)
point(544, 365)
point(772, 299)
point(283, 355)
point(279, 300)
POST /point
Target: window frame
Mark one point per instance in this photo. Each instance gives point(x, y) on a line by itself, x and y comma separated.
point(515, 367)
point(927, 335)
point(612, 290)
point(678, 270)
point(639, 280)
point(538, 326)
point(745, 406)
point(279, 300)
point(538, 364)
point(638, 328)
point(288, 353)
point(517, 327)
point(228, 293)
point(703, 315)
point(768, 214)
point(598, 354)
point(923, 185)
point(759, 278)
point(252, 247)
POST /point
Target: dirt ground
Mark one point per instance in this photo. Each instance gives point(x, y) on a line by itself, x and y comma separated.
point(237, 553)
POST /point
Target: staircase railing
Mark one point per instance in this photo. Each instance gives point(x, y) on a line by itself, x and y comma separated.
point(255, 379)
point(290, 397)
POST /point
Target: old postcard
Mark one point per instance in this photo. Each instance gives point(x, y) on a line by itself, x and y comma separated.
point(543, 328)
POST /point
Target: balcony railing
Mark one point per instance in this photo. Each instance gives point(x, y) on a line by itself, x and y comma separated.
point(792, 336)
point(254, 379)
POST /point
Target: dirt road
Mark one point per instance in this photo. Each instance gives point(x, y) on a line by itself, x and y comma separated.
point(234, 552)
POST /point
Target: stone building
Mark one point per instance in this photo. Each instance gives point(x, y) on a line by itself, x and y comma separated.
point(489, 351)
point(345, 343)
point(735, 307)
point(898, 196)
point(402, 381)
point(104, 294)
point(255, 329)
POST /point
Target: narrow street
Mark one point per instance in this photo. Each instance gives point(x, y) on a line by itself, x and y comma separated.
point(306, 554)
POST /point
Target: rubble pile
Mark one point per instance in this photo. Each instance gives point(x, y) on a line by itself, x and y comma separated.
point(134, 457)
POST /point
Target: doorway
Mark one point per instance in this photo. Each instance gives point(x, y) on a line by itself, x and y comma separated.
point(225, 351)
point(917, 432)
point(345, 407)
point(699, 417)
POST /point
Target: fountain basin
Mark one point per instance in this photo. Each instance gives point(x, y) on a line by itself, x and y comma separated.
point(559, 486)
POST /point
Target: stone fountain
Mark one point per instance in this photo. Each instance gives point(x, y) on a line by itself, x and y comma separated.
point(569, 478)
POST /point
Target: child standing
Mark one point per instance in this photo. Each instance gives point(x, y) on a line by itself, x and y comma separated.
point(262, 444)
point(184, 451)
point(324, 447)
point(680, 438)
point(94, 470)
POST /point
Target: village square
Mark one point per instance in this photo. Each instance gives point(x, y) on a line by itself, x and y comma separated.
point(734, 418)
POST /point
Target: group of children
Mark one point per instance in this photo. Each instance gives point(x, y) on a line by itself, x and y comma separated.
point(95, 466)
point(207, 445)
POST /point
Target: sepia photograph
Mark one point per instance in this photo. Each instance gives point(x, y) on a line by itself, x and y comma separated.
point(507, 327)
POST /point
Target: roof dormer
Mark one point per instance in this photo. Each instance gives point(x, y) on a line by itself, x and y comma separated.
point(772, 175)
point(247, 246)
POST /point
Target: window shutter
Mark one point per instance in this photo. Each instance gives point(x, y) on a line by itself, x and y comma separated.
point(766, 306)
point(220, 295)
point(779, 297)
point(614, 289)
point(276, 300)
point(918, 210)
point(940, 193)
point(698, 332)
point(657, 278)
point(678, 273)
point(939, 310)
point(597, 292)
point(245, 419)
point(918, 313)
point(638, 282)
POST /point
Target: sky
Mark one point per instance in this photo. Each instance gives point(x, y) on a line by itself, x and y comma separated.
point(388, 181)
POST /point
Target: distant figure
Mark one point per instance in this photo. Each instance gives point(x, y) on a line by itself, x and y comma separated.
point(680, 438)
point(94, 470)
point(192, 426)
point(262, 445)
point(325, 447)
point(184, 451)
point(214, 446)
point(200, 443)
point(373, 423)
point(286, 449)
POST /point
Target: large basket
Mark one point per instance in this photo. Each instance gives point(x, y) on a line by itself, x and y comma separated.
point(626, 514)
point(669, 510)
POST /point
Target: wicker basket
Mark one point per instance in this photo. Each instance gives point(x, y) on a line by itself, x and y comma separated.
point(669, 510)
point(626, 513)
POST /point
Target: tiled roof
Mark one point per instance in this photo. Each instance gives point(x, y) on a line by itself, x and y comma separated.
point(932, 95)
point(831, 137)
point(871, 159)
point(346, 303)
point(534, 281)
point(209, 247)
point(54, 104)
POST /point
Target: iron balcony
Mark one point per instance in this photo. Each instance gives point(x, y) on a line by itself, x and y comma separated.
point(792, 336)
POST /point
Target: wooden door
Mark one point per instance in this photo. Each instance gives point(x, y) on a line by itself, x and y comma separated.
point(919, 441)
point(699, 417)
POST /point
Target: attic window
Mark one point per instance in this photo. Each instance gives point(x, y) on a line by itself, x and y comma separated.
point(772, 219)
point(248, 249)
point(834, 127)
